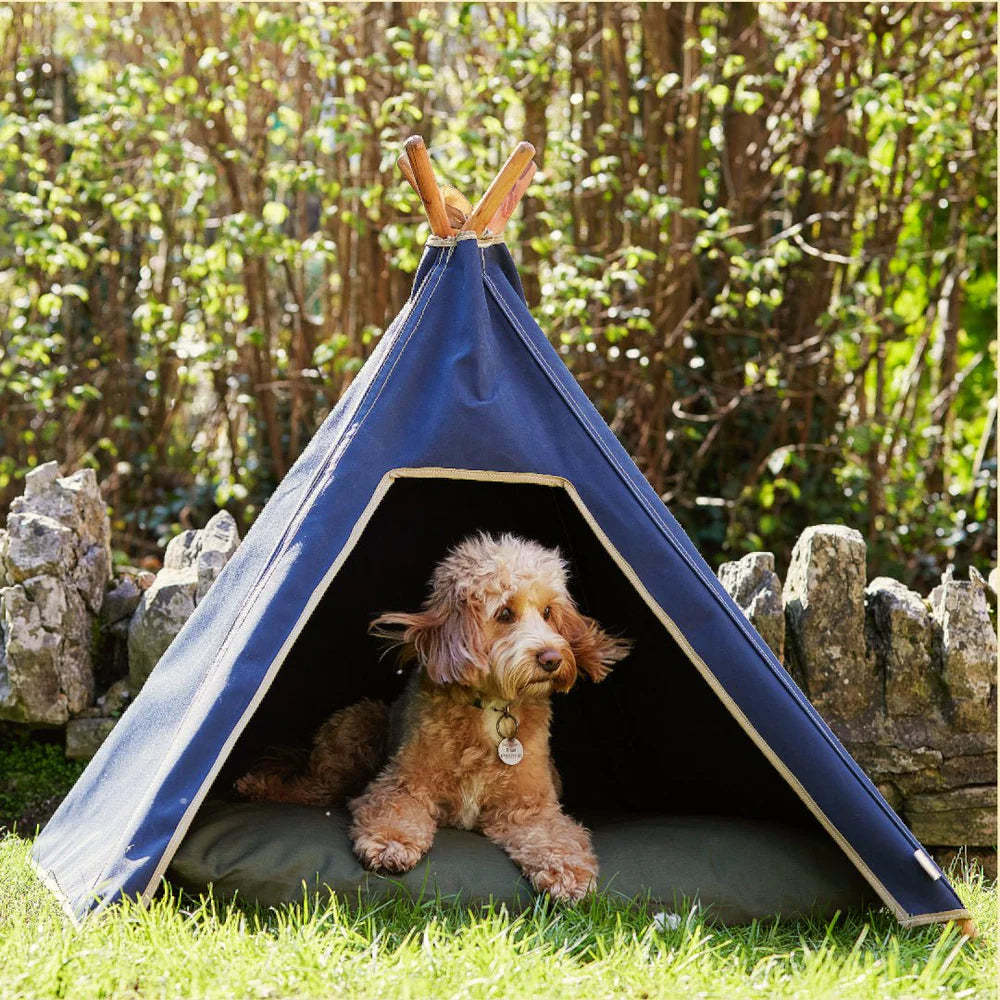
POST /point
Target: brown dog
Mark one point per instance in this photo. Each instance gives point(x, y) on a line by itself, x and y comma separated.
point(467, 745)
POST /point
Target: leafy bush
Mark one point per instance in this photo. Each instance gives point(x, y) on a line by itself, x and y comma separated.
point(763, 237)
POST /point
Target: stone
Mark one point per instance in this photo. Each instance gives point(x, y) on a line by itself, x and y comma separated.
point(48, 594)
point(74, 501)
point(121, 600)
point(978, 580)
point(968, 651)
point(881, 760)
point(38, 480)
point(971, 769)
point(946, 577)
point(961, 816)
point(160, 615)
point(63, 498)
point(924, 769)
point(182, 550)
point(91, 575)
point(120, 628)
point(55, 560)
point(891, 794)
point(755, 587)
point(116, 699)
point(937, 733)
point(219, 540)
point(908, 770)
point(191, 563)
point(901, 635)
point(825, 649)
point(30, 688)
point(37, 544)
point(994, 581)
point(48, 670)
point(85, 736)
point(77, 625)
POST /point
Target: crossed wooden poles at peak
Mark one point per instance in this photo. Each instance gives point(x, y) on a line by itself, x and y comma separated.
point(448, 211)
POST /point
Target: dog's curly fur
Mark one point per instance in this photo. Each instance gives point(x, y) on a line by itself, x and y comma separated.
point(498, 629)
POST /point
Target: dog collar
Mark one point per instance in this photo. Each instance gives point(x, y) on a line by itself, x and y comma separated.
point(479, 703)
point(509, 750)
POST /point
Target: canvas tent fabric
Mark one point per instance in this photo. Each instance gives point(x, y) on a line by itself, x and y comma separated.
point(465, 417)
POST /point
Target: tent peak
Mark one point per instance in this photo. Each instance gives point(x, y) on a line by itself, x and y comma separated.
point(449, 212)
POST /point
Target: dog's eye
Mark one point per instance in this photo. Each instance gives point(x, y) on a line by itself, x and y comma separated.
point(505, 615)
point(546, 613)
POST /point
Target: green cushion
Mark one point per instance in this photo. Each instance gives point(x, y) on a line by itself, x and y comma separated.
point(737, 869)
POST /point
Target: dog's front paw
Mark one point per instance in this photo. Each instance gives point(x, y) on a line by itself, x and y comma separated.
point(565, 882)
point(383, 855)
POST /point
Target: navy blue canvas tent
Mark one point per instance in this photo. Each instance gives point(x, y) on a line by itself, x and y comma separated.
point(465, 418)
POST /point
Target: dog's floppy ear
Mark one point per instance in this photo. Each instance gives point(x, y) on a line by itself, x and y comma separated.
point(594, 650)
point(443, 638)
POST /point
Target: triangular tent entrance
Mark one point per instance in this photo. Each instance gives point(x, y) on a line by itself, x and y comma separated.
point(463, 419)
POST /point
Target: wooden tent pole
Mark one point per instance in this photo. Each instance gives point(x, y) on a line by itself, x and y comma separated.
point(426, 185)
point(500, 200)
point(507, 206)
point(404, 165)
point(455, 203)
point(502, 185)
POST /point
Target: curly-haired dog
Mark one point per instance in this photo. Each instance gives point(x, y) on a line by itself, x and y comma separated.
point(467, 745)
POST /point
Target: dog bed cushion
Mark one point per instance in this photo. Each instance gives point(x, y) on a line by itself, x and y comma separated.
point(736, 869)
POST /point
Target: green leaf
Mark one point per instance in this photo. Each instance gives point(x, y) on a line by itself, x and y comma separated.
point(49, 303)
point(275, 213)
point(666, 83)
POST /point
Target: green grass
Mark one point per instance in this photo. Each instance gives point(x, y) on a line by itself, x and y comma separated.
point(185, 947)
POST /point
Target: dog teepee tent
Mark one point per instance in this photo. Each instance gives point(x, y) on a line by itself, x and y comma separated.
point(465, 418)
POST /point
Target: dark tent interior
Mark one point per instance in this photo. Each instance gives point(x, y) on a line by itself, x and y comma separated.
point(651, 739)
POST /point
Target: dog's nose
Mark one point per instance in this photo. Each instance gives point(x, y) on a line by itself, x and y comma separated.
point(549, 659)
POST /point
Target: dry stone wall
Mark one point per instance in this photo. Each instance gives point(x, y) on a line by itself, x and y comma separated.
point(907, 683)
point(55, 562)
point(142, 615)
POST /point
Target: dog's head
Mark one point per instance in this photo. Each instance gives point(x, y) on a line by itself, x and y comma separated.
point(500, 620)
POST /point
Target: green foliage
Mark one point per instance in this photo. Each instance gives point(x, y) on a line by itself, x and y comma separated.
point(762, 236)
point(184, 947)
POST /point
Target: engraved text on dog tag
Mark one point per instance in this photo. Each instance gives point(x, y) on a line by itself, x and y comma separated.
point(510, 750)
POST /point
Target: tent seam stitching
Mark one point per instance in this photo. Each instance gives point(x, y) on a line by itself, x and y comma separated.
point(660, 523)
point(796, 695)
point(449, 251)
point(439, 266)
point(331, 453)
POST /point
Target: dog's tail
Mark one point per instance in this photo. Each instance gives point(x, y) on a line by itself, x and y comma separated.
point(347, 753)
point(277, 777)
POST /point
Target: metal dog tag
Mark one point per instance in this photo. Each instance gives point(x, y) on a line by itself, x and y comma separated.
point(510, 750)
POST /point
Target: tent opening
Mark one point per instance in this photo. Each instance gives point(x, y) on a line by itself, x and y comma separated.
point(651, 739)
